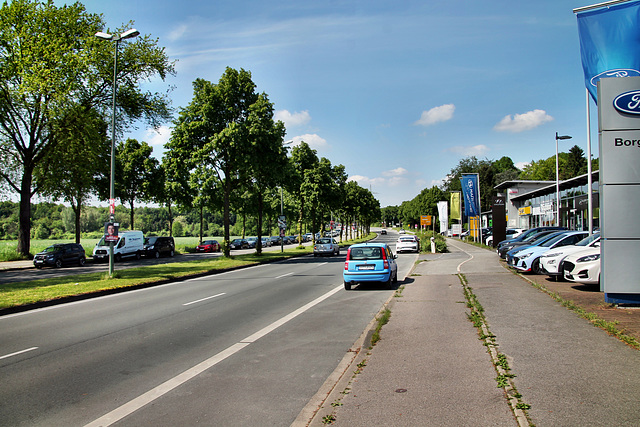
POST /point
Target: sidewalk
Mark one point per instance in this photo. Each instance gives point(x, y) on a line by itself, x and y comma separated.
point(431, 369)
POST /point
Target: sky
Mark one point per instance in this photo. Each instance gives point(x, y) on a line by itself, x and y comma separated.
point(396, 91)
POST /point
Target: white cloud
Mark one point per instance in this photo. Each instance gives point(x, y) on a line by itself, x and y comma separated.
point(159, 137)
point(475, 150)
point(522, 165)
point(365, 181)
point(395, 172)
point(436, 115)
point(522, 122)
point(292, 119)
point(314, 141)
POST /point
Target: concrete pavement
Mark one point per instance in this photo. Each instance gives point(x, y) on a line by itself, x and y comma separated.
point(431, 368)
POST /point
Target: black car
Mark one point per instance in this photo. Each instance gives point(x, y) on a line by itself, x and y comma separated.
point(239, 244)
point(384, 231)
point(60, 254)
point(156, 246)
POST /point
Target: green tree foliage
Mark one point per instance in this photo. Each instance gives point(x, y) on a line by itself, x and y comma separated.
point(50, 61)
point(138, 174)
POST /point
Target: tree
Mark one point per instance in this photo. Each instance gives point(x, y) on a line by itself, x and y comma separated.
point(74, 162)
point(302, 158)
point(576, 163)
point(267, 156)
point(51, 61)
point(137, 173)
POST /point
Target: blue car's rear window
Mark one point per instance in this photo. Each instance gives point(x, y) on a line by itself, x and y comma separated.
point(366, 253)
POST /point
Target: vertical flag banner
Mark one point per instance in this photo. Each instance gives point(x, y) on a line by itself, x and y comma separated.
point(455, 206)
point(471, 194)
point(609, 43)
point(443, 215)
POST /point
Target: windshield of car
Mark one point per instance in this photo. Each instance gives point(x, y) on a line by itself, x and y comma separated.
point(208, 242)
point(544, 240)
point(588, 240)
point(150, 240)
point(406, 239)
point(54, 248)
point(538, 237)
point(324, 241)
point(553, 240)
point(366, 253)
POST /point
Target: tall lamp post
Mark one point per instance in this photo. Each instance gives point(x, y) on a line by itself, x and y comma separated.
point(114, 38)
point(558, 178)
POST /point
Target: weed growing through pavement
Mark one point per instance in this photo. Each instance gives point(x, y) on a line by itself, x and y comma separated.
point(476, 316)
point(382, 320)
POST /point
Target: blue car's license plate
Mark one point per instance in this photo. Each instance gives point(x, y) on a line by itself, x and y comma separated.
point(366, 267)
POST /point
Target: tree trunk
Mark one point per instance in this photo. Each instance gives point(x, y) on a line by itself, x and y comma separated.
point(24, 226)
point(225, 213)
point(170, 220)
point(131, 214)
point(201, 222)
point(77, 210)
point(259, 224)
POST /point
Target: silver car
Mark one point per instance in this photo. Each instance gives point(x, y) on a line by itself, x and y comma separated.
point(326, 246)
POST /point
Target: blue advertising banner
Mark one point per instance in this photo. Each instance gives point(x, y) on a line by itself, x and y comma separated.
point(471, 194)
point(609, 43)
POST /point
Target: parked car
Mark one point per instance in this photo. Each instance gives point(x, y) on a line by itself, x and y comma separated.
point(275, 240)
point(528, 233)
point(535, 240)
point(308, 237)
point(326, 246)
point(402, 231)
point(252, 241)
point(59, 255)
point(583, 266)
point(509, 234)
point(265, 242)
point(528, 260)
point(208, 246)
point(516, 243)
point(408, 243)
point(239, 244)
point(129, 244)
point(370, 262)
point(156, 246)
point(551, 262)
point(384, 231)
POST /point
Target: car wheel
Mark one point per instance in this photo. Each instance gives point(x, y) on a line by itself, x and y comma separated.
point(535, 267)
point(395, 277)
point(347, 286)
point(389, 283)
point(58, 263)
point(172, 253)
point(138, 256)
point(156, 254)
point(118, 257)
point(81, 262)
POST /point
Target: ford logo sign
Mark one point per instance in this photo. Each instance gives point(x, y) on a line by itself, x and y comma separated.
point(628, 102)
point(619, 72)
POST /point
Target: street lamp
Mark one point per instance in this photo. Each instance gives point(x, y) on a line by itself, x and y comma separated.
point(558, 179)
point(114, 38)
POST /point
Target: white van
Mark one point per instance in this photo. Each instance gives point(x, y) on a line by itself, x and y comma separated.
point(130, 244)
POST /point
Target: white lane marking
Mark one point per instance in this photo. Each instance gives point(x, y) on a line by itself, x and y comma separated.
point(164, 388)
point(204, 299)
point(18, 352)
point(284, 275)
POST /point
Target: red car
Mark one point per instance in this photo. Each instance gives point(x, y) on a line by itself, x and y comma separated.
point(208, 246)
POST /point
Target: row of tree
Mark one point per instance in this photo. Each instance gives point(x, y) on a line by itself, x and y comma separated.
point(490, 174)
point(226, 152)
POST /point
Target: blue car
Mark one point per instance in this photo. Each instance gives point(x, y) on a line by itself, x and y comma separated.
point(370, 262)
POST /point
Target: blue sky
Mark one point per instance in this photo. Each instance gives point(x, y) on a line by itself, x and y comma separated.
point(396, 91)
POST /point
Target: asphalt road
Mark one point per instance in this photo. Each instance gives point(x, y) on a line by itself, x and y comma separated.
point(248, 347)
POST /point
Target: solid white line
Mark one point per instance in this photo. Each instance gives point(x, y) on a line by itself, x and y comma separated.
point(284, 275)
point(18, 352)
point(164, 388)
point(204, 299)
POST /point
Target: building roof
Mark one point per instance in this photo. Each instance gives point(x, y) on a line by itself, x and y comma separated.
point(551, 189)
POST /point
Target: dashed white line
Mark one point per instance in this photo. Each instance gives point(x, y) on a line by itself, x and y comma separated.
point(204, 299)
point(164, 388)
point(18, 352)
point(284, 275)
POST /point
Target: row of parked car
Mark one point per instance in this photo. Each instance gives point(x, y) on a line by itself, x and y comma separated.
point(554, 251)
point(129, 244)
